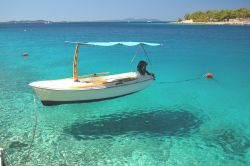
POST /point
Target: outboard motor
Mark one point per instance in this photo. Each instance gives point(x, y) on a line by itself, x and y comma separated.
point(142, 68)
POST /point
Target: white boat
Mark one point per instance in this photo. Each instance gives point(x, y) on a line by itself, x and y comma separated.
point(94, 87)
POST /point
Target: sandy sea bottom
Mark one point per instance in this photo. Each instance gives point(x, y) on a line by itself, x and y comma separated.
point(173, 122)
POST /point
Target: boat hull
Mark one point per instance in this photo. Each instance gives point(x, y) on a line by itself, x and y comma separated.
point(51, 97)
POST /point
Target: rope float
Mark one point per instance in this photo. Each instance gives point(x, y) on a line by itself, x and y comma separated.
point(209, 75)
point(25, 54)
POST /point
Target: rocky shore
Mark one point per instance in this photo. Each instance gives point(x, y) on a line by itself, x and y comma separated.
point(229, 22)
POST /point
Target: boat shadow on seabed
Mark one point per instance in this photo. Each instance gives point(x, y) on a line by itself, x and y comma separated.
point(157, 123)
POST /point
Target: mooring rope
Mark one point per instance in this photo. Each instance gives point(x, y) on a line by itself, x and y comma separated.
point(206, 75)
point(34, 132)
point(180, 81)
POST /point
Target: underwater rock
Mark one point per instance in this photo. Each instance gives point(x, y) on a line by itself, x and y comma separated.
point(156, 123)
point(230, 140)
point(17, 144)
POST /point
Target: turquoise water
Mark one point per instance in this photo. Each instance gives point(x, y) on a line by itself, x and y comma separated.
point(173, 122)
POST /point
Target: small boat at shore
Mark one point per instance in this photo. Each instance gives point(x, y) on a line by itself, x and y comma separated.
point(95, 87)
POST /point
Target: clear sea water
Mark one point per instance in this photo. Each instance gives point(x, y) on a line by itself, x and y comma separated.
point(172, 122)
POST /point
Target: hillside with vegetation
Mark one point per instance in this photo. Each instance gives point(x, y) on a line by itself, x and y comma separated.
point(218, 15)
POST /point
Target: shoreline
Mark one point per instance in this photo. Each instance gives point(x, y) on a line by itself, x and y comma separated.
point(210, 23)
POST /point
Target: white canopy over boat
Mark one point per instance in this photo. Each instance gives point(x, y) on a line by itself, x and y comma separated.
point(106, 44)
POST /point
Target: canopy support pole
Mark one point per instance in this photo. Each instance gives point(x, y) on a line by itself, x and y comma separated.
point(136, 52)
point(133, 58)
point(75, 71)
point(145, 52)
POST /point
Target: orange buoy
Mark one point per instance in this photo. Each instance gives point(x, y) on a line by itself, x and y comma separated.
point(209, 75)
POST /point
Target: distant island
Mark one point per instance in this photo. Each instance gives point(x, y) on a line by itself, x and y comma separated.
point(239, 17)
point(51, 22)
point(27, 22)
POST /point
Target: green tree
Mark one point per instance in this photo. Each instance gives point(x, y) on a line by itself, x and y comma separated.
point(218, 15)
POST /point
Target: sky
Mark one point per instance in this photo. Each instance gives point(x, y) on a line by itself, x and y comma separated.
point(97, 10)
